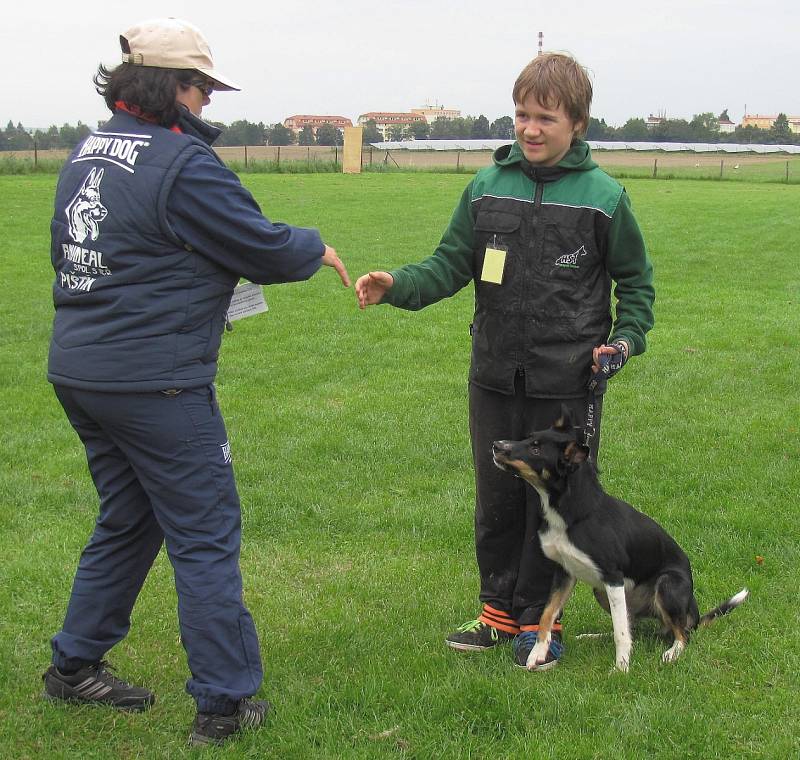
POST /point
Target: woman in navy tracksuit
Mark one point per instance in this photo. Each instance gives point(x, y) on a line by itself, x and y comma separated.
point(150, 235)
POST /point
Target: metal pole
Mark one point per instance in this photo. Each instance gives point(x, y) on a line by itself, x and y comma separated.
point(721, 164)
point(787, 172)
point(458, 160)
point(655, 168)
point(279, 156)
point(245, 156)
point(36, 157)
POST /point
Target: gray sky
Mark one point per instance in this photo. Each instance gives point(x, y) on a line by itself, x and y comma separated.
point(352, 56)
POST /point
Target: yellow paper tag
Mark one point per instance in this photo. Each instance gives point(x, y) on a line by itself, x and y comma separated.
point(493, 264)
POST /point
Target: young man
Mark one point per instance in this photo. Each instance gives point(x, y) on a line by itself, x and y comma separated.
point(541, 233)
point(150, 235)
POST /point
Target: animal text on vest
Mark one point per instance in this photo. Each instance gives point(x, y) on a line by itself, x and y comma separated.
point(70, 281)
point(84, 260)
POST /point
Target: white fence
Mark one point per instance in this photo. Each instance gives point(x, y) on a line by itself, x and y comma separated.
point(667, 147)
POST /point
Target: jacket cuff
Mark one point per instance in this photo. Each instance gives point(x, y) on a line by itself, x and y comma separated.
point(401, 290)
point(634, 347)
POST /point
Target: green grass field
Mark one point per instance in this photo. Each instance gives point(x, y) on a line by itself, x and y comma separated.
point(350, 442)
point(726, 167)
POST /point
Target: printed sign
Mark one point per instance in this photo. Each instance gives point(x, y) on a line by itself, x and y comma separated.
point(247, 300)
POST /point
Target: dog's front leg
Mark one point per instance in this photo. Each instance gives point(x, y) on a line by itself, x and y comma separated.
point(621, 623)
point(563, 585)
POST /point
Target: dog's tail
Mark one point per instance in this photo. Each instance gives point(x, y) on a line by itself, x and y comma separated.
point(724, 608)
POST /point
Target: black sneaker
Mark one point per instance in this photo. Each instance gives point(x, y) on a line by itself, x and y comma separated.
point(213, 728)
point(524, 643)
point(95, 684)
point(476, 636)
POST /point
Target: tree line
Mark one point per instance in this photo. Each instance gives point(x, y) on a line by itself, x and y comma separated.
point(703, 127)
point(18, 138)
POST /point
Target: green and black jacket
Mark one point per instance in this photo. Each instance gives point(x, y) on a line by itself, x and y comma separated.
point(567, 231)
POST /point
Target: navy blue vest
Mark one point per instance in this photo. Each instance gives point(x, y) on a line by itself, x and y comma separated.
point(135, 308)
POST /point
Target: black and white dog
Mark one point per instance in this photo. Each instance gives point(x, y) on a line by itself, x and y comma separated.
point(637, 570)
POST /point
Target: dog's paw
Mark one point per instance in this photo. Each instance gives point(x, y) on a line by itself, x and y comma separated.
point(538, 655)
point(622, 664)
point(673, 652)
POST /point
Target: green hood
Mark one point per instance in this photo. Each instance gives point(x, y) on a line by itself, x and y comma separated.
point(578, 158)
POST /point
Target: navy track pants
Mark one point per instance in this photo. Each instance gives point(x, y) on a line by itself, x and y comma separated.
point(162, 467)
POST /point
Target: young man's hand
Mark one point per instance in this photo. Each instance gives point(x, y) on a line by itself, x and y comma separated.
point(370, 288)
point(617, 353)
point(331, 259)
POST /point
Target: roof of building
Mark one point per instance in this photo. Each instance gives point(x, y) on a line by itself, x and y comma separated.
point(317, 116)
point(762, 116)
point(385, 114)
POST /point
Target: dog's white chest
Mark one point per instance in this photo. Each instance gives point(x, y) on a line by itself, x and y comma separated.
point(557, 547)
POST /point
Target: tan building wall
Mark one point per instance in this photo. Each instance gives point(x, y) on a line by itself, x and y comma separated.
point(297, 122)
point(433, 112)
point(766, 122)
point(385, 120)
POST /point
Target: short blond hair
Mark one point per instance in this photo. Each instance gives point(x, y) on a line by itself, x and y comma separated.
point(556, 79)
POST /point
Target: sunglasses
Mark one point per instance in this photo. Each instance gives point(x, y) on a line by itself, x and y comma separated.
point(203, 85)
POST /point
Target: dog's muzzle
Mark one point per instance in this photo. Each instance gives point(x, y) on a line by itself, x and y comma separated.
point(500, 451)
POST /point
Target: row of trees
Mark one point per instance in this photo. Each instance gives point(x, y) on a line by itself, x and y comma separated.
point(243, 132)
point(469, 127)
point(703, 127)
point(18, 138)
point(462, 128)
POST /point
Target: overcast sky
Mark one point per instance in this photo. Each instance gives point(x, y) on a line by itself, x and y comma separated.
point(348, 57)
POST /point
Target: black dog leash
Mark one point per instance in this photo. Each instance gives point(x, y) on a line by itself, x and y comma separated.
point(597, 380)
point(609, 365)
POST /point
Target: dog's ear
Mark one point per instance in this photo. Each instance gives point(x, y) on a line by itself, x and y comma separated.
point(575, 454)
point(564, 422)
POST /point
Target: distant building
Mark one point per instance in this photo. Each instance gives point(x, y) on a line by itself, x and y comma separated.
point(754, 120)
point(296, 123)
point(431, 112)
point(385, 120)
point(726, 126)
point(653, 121)
point(766, 122)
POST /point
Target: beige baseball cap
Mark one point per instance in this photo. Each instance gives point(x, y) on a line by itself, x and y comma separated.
point(171, 43)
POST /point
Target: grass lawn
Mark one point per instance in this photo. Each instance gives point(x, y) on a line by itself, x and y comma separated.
point(737, 167)
point(350, 442)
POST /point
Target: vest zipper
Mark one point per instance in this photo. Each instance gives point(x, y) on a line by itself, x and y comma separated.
point(536, 248)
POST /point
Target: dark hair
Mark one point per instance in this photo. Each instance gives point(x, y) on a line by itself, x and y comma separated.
point(149, 88)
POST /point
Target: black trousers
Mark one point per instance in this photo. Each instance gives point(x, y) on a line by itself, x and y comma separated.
point(515, 575)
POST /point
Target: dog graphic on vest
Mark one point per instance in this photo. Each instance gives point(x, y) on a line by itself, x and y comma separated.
point(570, 260)
point(85, 211)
